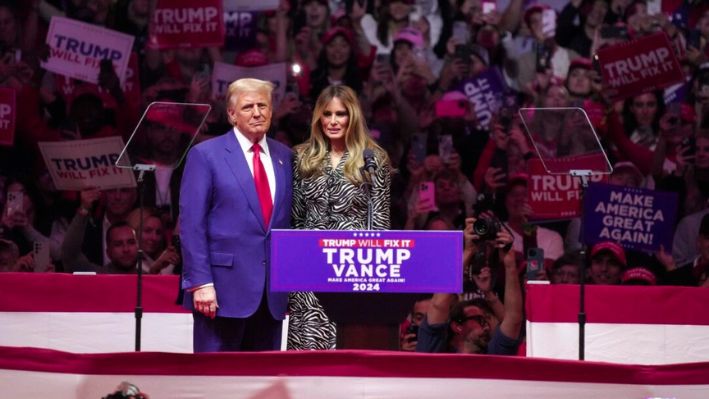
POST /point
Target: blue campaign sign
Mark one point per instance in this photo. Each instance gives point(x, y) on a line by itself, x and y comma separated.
point(637, 219)
point(486, 94)
point(241, 28)
point(367, 261)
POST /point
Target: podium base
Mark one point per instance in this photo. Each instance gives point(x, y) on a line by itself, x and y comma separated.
point(367, 320)
point(368, 336)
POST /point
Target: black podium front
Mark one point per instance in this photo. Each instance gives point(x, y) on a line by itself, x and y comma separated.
point(367, 321)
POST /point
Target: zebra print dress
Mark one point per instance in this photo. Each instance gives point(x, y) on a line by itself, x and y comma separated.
point(329, 201)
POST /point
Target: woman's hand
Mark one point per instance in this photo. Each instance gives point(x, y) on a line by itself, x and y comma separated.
point(453, 163)
point(500, 136)
point(168, 257)
point(684, 158)
point(495, 178)
point(517, 137)
point(357, 13)
point(199, 88)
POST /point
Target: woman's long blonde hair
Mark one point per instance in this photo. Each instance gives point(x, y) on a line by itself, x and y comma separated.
point(312, 152)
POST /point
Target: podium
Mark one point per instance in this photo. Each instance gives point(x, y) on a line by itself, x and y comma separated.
point(367, 321)
point(367, 281)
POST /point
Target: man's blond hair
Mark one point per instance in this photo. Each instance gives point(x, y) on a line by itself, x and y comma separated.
point(248, 85)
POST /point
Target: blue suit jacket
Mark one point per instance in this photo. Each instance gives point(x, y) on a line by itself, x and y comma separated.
point(224, 238)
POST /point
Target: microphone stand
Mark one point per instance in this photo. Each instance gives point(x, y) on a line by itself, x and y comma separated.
point(141, 169)
point(584, 176)
point(369, 171)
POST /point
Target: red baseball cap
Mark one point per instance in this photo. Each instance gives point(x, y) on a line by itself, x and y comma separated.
point(338, 30)
point(639, 274)
point(581, 62)
point(251, 58)
point(614, 248)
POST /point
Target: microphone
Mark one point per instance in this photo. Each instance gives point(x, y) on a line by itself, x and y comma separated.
point(369, 165)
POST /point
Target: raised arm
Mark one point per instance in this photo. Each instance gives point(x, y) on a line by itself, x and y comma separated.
point(512, 322)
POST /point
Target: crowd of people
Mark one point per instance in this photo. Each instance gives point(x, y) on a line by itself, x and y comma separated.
point(405, 61)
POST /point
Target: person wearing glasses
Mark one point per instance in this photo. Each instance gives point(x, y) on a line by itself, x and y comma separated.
point(472, 326)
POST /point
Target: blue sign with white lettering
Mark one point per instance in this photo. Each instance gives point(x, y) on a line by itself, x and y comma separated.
point(635, 218)
point(367, 261)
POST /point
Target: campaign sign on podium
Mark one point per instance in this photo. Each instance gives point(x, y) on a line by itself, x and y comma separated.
point(367, 261)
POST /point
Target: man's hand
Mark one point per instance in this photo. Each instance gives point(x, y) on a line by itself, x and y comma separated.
point(24, 263)
point(503, 242)
point(666, 259)
point(205, 301)
point(483, 280)
point(89, 196)
point(408, 342)
point(469, 237)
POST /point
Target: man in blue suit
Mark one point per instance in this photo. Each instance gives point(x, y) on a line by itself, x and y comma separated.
point(235, 189)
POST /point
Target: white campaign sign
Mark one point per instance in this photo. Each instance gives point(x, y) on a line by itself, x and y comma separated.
point(224, 74)
point(77, 48)
point(80, 164)
point(247, 5)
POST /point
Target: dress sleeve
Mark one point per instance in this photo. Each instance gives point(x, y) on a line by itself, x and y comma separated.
point(381, 192)
point(298, 210)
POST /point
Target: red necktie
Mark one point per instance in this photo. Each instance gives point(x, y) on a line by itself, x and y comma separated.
point(262, 188)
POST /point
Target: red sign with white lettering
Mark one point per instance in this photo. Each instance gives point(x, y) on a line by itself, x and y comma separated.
point(555, 197)
point(187, 23)
point(8, 112)
point(639, 66)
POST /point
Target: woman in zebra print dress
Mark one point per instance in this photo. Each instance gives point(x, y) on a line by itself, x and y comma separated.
point(329, 193)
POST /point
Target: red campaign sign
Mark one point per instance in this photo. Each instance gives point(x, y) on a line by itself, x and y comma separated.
point(8, 113)
point(639, 66)
point(555, 196)
point(187, 23)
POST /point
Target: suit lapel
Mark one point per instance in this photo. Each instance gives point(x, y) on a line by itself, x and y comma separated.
point(278, 164)
point(236, 160)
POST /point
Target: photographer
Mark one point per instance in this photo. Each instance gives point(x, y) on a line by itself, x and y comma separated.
point(472, 326)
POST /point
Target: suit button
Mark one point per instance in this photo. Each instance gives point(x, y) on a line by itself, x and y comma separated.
point(263, 262)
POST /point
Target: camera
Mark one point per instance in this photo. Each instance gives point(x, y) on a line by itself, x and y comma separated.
point(487, 228)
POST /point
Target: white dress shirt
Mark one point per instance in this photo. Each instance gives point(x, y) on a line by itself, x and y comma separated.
point(265, 156)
